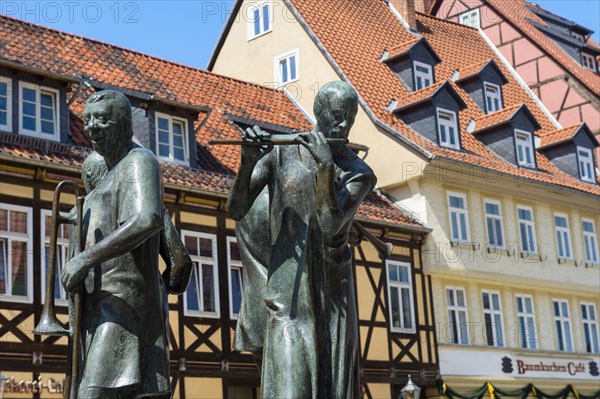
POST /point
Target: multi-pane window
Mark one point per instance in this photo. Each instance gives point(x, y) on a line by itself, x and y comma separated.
point(470, 18)
point(562, 322)
point(259, 18)
point(493, 97)
point(527, 230)
point(577, 36)
point(526, 322)
point(423, 75)
point(457, 315)
point(459, 217)
point(171, 138)
point(234, 261)
point(286, 68)
point(525, 154)
point(448, 129)
point(588, 61)
point(400, 296)
point(590, 327)
point(494, 225)
point(492, 313)
point(563, 236)
point(39, 111)
point(585, 160)
point(5, 103)
point(15, 253)
point(62, 255)
point(202, 297)
point(590, 241)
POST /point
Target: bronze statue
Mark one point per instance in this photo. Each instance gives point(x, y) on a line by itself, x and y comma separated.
point(314, 190)
point(124, 319)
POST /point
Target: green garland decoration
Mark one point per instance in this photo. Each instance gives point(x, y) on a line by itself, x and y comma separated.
point(524, 393)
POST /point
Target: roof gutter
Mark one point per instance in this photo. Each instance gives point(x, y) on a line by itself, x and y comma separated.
point(42, 72)
point(379, 123)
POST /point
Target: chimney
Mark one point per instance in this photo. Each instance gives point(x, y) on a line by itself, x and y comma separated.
point(406, 8)
point(423, 6)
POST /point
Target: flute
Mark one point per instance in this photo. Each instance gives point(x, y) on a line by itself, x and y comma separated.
point(273, 139)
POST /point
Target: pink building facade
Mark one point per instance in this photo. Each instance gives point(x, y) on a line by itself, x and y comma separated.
point(553, 56)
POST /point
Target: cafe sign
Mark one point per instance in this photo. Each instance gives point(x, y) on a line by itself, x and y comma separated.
point(494, 363)
point(51, 385)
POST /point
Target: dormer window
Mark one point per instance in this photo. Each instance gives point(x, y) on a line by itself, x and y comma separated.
point(470, 18)
point(39, 111)
point(171, 138)
point(493, 97)
point(447, 129)
point(525, 155)
point(586, 164)
point(5, 103)
point(588, 62)
point(423, 75)
point(259, 19)
point(577, 37)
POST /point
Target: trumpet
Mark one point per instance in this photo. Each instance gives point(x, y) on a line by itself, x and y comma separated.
point(49, 324)
point(358, 232)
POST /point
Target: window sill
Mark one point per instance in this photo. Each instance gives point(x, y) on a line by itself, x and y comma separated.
point(281, 85)
point(175, 161)
point(259, 35)
point(16, 298)
point(203, 315)
point(395, 330)
point(534, 256)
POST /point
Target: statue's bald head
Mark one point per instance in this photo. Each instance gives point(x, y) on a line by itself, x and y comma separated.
point(334, 93)
point(120, 108)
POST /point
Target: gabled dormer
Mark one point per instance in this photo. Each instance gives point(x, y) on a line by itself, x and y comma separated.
point(413, 62)
point(510, 133)
point(483, 82)
point(166, 127)
point(34, 104)
point(434, 113)
point(572, 150)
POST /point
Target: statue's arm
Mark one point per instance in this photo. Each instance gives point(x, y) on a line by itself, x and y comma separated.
point(253, 175)
point(177, 259)
point(140, 218)
point(336, 208)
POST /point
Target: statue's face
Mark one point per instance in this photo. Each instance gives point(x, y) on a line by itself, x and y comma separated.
point(102, 127)
point(336, 120)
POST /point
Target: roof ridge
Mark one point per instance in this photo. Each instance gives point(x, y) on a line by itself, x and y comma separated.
point(414, 39)
point(136, 52)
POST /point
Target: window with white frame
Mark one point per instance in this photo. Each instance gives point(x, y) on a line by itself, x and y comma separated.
point(259, 18)
point(562, 322)
point(234, 262)
point(448, 129)
point(527, 230)
point(39, 111)
point(525, 154)
point(423, 75)
point(459, 217)
point(202, 296)
point(5, 103)
point(470, 18)
point(493, 97)
point(171, 138)
point(494, 225)
point(585, 159)
point(457, 315)
point(62, 255)
point(16, 240)
point(590, 327)
point(492, 313)
point(563, 236)
point(588, 62)
point(590, 241)
point(400, 294)
point(286, 68)
point(526, 322)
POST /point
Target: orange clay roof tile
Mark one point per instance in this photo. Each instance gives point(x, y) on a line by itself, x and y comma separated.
point(40, 48)
point(356, 33)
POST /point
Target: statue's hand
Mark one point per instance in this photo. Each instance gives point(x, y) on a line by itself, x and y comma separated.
point(74, 272)
point(252, 153)
point(318, 147)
